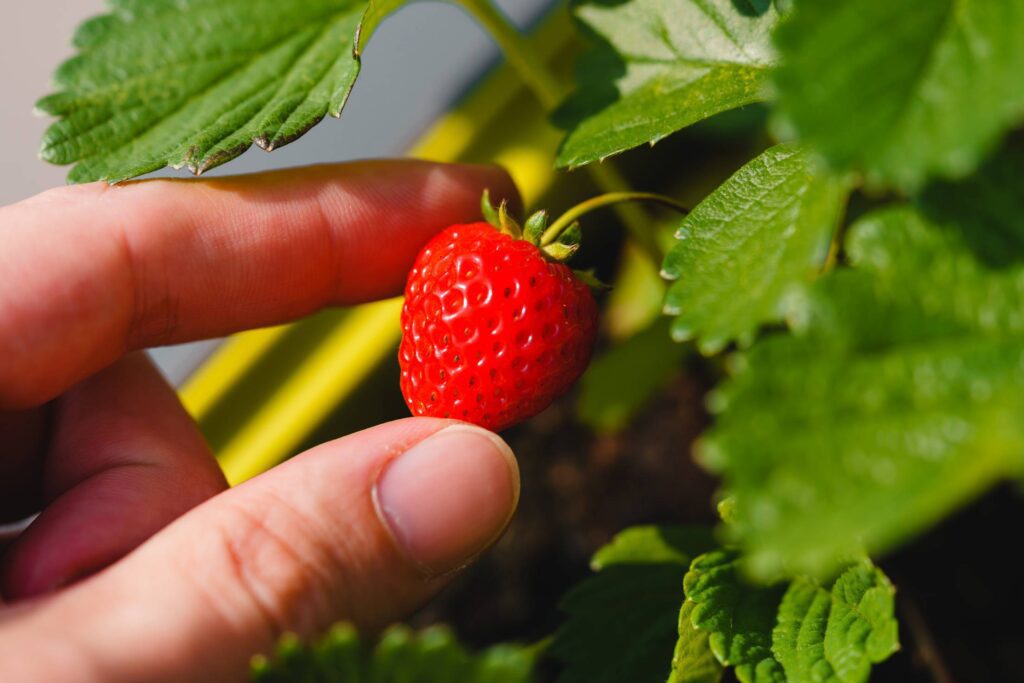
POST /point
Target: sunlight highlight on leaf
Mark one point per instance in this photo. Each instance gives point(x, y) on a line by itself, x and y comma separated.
point(658, 67)
point(196, 82)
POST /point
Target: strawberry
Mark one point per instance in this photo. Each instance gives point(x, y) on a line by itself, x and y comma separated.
point(494, 328)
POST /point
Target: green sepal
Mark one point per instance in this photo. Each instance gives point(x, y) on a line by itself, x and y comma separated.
point(535, 226)
point(499, 217)
point(487, 209)
point(567, 244)
point(506, 223)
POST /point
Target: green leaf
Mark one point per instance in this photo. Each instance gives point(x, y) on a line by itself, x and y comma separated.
point(795, 633)
point(898, 399)
point(640, 545)
point(835, 635)
point(622, 623)
point(693, 661)
point(660, 66)
point(902, 90)
point(738, 616)
point(401, 656)
point(376, 12)
point(196, 82)
point(741, 250)
point(649, 359)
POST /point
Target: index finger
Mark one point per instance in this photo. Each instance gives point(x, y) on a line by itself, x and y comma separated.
point(88, 273)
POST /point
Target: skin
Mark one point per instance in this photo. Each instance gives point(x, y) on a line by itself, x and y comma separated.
point(141, 565)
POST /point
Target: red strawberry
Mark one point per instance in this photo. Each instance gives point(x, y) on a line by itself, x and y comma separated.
point(493, 329)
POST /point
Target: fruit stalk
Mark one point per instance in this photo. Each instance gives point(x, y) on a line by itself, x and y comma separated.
point(610, 199)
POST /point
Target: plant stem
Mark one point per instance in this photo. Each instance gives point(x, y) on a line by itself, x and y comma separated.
point(838, 237)
point(570, 216)
point(637, 221)
point(517, 50)
point(549, 92)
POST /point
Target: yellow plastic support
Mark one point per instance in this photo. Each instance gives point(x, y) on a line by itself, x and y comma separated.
point(342, 360)
point(222, 370)
point(498, 122)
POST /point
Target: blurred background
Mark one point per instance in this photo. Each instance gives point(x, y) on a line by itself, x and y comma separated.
point(34, 39)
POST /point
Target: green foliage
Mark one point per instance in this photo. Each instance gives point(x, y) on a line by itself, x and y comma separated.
point(800, 632)
point(741, 250)
point(902, 90)
point(431, 656)
point(898, 398)
point(622, 623)
point(739, 617)
point(376, 12)
point(835, 634)
point(693, 661)
point(658, 67)
point(649, 358)
point(195, 82)
point(644, 545)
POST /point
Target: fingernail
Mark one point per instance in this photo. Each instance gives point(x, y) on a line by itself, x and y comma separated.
point(448, 497)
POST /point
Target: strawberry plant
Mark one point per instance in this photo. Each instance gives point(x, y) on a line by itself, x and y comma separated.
point(852, 287)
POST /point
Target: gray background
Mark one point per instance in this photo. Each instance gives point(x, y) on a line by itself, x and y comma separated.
point(417, 64)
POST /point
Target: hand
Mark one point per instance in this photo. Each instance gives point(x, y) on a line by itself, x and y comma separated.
point(141, 566)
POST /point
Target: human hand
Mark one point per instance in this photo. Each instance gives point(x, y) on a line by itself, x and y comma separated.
point(184, 580)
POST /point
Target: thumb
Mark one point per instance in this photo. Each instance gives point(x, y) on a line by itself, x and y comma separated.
point(364, 528)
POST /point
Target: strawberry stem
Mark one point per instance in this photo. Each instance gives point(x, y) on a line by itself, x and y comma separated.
point(555, 230)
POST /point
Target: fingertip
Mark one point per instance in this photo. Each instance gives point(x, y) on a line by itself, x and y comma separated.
point(449, 497)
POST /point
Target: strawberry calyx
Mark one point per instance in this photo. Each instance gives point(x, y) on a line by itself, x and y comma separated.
point(560, 240)
point(560, 248)
point(499, 217)
point(565, 245)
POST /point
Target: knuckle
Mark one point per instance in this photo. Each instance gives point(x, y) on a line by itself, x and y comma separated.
point(154, 316)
